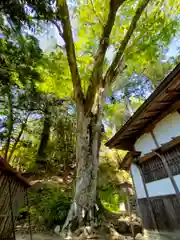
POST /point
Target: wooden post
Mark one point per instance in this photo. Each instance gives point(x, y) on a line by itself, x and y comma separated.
point(137, 203)
point(130, 213)
point(149, 201)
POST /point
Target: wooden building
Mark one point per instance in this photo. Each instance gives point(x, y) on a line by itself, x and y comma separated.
point(13, 189)
point(152, 138)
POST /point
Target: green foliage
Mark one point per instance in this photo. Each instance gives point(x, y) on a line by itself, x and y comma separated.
point(110, 178)
point(24, 156)
point(49, 206)
point(110, 198)
point(55, 74)
point(62, 146)
point(155, 29)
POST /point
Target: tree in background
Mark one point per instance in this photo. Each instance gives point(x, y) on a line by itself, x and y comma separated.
point(29, 83)
point(129, 92)
point(18, 72)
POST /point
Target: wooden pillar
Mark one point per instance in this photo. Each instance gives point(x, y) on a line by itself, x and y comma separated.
point(130, 213)
point(149, 201)
point(137, 203)
point(163, 159)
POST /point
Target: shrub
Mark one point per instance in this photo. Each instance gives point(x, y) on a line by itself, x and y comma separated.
point(50, 205)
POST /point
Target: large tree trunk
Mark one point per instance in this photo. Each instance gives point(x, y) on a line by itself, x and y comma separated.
point(84, 205)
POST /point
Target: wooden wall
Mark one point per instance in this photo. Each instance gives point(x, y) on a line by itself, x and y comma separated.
point(164, 202)
point(166, 211)
point(17, 193)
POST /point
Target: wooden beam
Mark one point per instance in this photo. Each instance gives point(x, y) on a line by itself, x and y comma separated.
point(125, 146)
point(136, 124)
point(142, 119)
point(172, 91)
point(175, 104)
point(130, 132)
point(139, 122)
point(147, 156)
point(155, 110)
point(145, 118)
point(164, 103)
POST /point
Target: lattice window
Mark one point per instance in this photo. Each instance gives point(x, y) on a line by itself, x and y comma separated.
point(173, 160)
point(153, 168)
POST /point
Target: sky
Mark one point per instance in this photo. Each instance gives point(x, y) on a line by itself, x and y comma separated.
point(173, 47)
point(48, 42)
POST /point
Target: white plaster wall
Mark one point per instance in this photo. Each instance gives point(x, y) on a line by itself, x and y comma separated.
point(138, 182)
point(167, 128)
point(160, 188)
point(177, 180)
point(145, 144)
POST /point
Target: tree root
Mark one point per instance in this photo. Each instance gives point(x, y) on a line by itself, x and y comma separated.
point(80, 219)
point(89, 224)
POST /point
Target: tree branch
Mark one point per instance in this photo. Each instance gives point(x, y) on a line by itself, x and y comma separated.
point(98, 16)
point(118, 58)
point(70, 49)
point(96, 76)
point(119, 69)
point(58, 28)
point(18, 137)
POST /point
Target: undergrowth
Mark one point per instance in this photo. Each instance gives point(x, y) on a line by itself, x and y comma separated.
point(49, 206)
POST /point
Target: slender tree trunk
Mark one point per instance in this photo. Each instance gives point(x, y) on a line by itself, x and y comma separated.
point(84, 204)
point(44, 136)
point(10, 122)
point(18, 137)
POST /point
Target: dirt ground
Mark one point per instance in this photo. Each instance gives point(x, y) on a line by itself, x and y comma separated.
point(43, 236)
point(37, 236)
point(47, 236)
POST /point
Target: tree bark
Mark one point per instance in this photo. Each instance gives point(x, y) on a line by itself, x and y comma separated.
point(10, 122)
point(84, 205)
point(18, 137)
point(44, 136)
